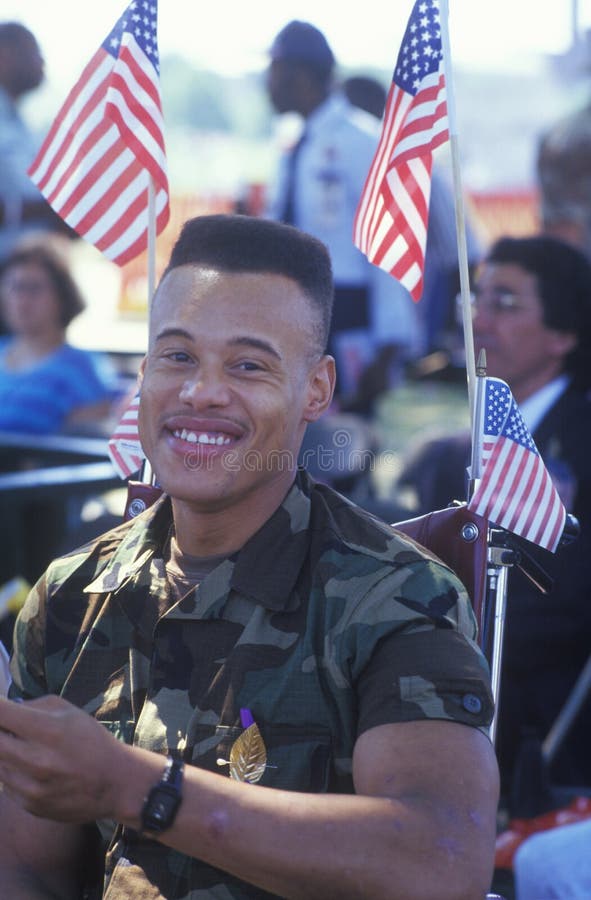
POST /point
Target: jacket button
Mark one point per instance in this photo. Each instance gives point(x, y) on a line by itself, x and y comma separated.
point(472, 703)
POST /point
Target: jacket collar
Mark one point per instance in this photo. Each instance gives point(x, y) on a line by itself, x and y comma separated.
point(265, 569)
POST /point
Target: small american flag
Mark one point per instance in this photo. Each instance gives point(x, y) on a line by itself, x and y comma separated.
point(390, 224)
point(125, 449)
point(516, 491)
point(107, 142)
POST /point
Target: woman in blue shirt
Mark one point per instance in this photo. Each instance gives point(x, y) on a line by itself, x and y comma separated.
point(46, 385)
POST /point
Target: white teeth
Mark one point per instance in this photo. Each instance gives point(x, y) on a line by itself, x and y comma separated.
point(202, 438)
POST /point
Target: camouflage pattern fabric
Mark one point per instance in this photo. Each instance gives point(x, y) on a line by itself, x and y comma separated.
point(326, 623)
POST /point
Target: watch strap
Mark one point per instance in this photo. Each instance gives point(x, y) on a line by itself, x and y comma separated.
point(162, 803)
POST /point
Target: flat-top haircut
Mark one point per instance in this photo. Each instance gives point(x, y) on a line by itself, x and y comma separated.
point(563, 275)
point(235, 243)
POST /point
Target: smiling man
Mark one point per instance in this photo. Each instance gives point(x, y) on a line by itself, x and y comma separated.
point(254, 688)
point(228, 388)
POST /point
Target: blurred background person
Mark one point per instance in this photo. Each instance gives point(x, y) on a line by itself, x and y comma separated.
point(436, 308)
point(555, 864)
point(367, 93)
point(22, 207)
point(563, 170)
point(532, 316)
point(47, 385)
point(317, 188)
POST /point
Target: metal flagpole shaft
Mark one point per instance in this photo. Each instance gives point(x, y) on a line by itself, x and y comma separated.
point(496, 567)
point(497, 579)
point(459, 208)
point(151, 239)
point(477, 422)
point(147, 474)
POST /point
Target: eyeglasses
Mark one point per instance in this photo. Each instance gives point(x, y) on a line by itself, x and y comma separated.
point(29, 286)
point(495, 302)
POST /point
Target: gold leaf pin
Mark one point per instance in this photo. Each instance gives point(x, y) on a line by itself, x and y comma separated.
point(248, 756)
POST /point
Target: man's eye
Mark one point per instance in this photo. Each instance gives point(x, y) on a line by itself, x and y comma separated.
point(248, 365)
point(177, 356)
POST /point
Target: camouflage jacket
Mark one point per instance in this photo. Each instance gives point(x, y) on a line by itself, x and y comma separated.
point(326, 623)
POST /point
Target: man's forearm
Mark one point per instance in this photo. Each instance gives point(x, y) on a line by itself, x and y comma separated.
point(422, 822)
point(321, 846)
point(305, 846)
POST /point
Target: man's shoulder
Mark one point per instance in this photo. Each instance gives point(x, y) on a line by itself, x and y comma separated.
point(572, 403)
point(338, 116)
point(371, 571)
point(566, 425)
point(117, 547)
point(341, 525)
point(89, 558)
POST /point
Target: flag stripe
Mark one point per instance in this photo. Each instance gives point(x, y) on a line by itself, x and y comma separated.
point(515, 490)
point(71, 117)
point(95, 164)
point(370, 206)
point(390, 225)
point(517, 515)
point(124, 445)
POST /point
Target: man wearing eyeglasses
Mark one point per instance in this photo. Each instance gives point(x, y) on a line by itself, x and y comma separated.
point(532, 316)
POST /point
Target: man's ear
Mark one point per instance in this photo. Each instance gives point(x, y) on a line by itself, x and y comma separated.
point(563, 342)
point(141, 371)
point(320, 388)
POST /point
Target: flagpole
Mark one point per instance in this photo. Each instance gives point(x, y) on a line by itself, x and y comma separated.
point(147, 475)
point(151, 239)
point(496, 574)
point(477, 422)
point(459, 210)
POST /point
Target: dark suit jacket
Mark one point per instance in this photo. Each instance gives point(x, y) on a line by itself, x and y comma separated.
point(547, 638)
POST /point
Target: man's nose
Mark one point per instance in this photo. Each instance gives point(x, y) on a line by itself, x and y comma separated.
point(206, 387)
point(482, 318)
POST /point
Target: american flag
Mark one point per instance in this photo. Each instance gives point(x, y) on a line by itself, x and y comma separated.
point(515, 491)
point(107, 142)
point(390, 224)
point(125, 449)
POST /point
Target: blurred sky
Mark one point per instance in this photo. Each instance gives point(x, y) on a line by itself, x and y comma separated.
point(232, 36)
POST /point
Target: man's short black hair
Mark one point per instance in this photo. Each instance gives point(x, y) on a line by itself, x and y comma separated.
point(302, 44)
point(236, 243)
point(563, 275)
point(367, 93)
point(13, 31)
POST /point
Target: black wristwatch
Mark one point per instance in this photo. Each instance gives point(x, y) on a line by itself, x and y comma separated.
point(162, 803)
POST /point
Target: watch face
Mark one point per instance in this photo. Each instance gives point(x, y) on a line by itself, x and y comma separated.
point(160, 808)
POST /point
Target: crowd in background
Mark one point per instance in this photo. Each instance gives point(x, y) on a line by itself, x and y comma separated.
point(532, 315)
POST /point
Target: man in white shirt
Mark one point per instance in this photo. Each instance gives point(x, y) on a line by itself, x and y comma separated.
point(375, 325)
point(22, 207)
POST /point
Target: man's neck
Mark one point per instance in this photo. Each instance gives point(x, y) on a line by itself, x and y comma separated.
point(208, 530)
point(533, 383)
point(311, 104)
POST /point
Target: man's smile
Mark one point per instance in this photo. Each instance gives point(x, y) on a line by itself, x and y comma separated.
point(194, 437)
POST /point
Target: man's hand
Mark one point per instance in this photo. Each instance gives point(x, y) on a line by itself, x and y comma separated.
point(58, 762)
